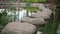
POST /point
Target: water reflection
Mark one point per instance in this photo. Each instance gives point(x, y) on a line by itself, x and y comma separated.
point(11, 14)
point(38, 32)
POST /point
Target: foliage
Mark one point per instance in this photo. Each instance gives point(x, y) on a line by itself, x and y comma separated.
point(12, 8)
point(57, 7)
point(0, 14)
point(57, 2)
point(33, 9)
point(34, 1)
point(4, 19)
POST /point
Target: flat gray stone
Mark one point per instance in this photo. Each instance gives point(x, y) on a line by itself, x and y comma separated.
point(19, 28)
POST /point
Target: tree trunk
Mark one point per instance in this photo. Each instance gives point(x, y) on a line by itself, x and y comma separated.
point(27, 13)
point(55, 22)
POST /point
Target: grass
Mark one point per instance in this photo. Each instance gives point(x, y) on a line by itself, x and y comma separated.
point(48, 27)
point(41, 29)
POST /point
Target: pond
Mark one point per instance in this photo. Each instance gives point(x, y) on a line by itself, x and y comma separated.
point(38, 32)
point(22, 14)
point(19, 15)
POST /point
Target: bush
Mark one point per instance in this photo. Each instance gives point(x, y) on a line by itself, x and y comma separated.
point(4, 19)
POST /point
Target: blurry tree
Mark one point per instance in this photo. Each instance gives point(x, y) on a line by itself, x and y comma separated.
point(4, 19)
point(13, 10)
point(27, 5)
